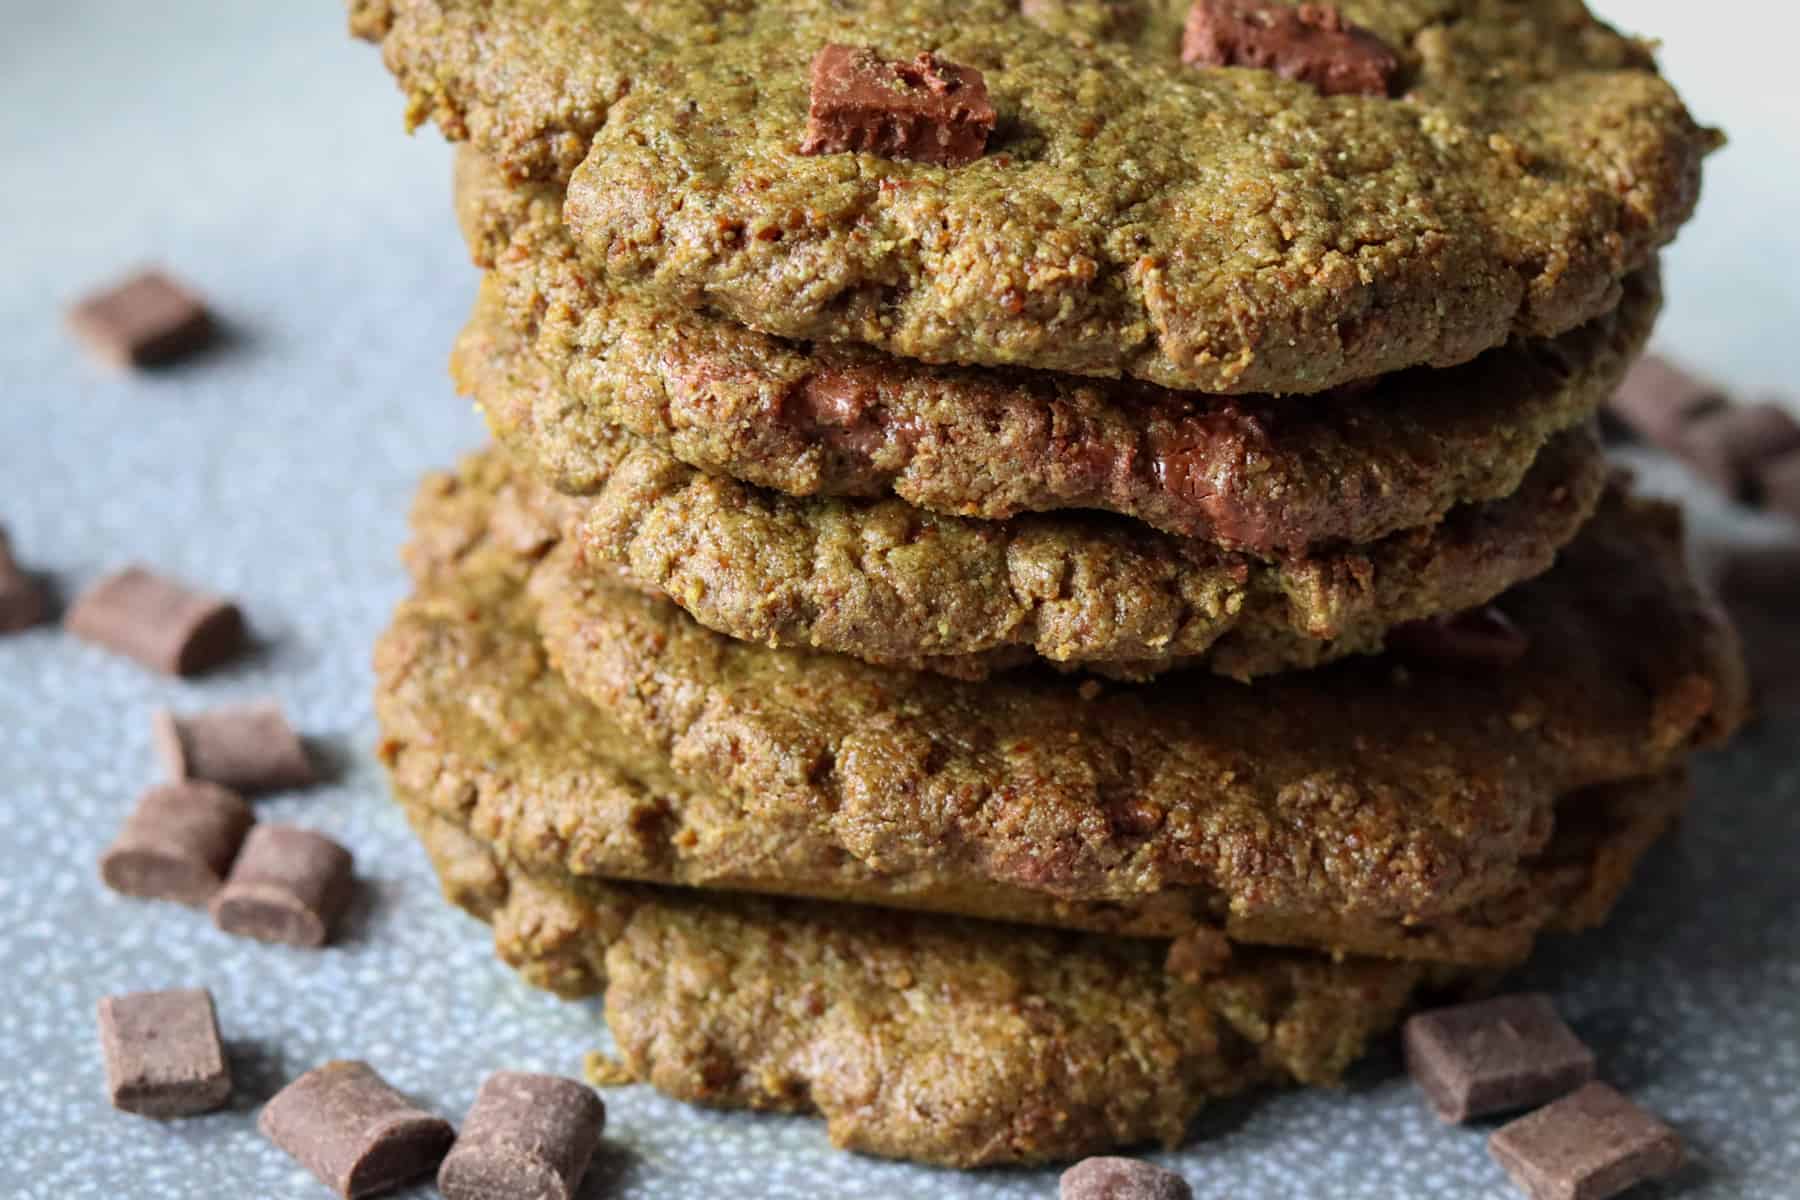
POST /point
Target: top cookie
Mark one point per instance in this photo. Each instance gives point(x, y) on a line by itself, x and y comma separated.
point(1226, 229)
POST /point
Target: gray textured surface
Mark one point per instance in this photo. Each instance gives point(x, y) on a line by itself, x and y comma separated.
point(256, 151)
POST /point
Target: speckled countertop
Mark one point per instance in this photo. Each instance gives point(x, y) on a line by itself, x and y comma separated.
point(257, 151)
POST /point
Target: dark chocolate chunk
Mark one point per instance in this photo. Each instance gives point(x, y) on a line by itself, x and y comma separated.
point(345, 1124)
point(289, 885)
point(1110, 1178)
point(22, 600)
point(1658, 399)
point(163, 1053)
point(177, 844)
point(1495, 1055)
point(1587, 1146)
point(926, 110)
point(146, 320)
point(1308, 42)
point(528, 1135)
point(1483, 637)
point(1730, 447)
point(163, 624)
point(246, 747)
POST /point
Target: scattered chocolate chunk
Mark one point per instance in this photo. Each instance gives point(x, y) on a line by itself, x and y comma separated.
point(346, 1125)
point(1658, 399)
point(528, 1135)
point(22, 600)
point(1308, 42)
point(926, 110)
point(163, 1053)
point(1733, 447)
point(147, 320)
point(1109, 1178)
point(1587, 1146)
point(165, 625)
point(1483, 637)
point(246, 747)
point(1495, 1055)
point(289, 885)
point(177, 844)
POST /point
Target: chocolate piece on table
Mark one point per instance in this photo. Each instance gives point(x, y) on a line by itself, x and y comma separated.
point(22, 600)
point(1308, 42)
point(144, 321)
point(527, 1135)
point(1730, 447)
point(1658, 399)
point(1108, 1178)
point(289, 885)
point(178, 844)
point(163, 1053)
point(1481, 636)
point(165, 625)
point(926, 110)
point(246, 747)
point(346, 1125)
point(1587, 1146)
point(1506, 1053)
point(1778, 485)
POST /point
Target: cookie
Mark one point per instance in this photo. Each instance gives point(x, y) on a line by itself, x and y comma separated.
point(1370, 807)
point(1264, 474)
point(1217, 228)
point(961, 1043)
point(892, 584)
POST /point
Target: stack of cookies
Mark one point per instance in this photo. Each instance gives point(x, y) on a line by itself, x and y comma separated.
point(1044, 561)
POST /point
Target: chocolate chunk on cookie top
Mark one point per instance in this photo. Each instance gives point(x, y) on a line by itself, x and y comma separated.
point(528, 1135)
point(1587, 1146)
point(925, 110)
point(346, 1125)
point(1107, 1178)
point(1308, 42)
point(163, 1053)
point(1506, 1053)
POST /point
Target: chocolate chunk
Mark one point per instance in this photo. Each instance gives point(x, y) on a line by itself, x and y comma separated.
point(22, 600)
point(528, 1135)
point(1122, 1179)
point(163, 1053)
point(1506, 1053)
point(1778, 485)
point(163, 624)
point(1483, 637)
point(147, 320)
point(177, 844)
point(345, 1124)
point(1586, 1146)
point(1308, 42)
point(1658, 399)
point(246, 747)
point(289, 885)
point(1730, 447)
point(926, 110)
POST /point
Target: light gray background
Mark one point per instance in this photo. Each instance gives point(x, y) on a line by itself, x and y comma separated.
point(256, 150)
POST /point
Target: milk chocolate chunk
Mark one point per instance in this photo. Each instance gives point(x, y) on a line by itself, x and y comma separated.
point(1308, 42)
point(926, 110)
point(1480, 637)
point(1658, 399)
point(1587, 1146)
point(1732, 447)
point(22, 600)
point(1506, 1053)
point(1108, 1178)
point(144, 321)
point(178, 844)
point(346, 1125)
point(246, 747)
point(289, 885)
point(163, 624)
point(163, 1053)
point(528, 1135)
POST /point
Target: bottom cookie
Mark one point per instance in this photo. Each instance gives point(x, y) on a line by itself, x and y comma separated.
point(938, 1039)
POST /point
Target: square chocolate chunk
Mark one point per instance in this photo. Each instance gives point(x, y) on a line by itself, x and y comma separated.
point(1587, 1146)
point(1312, 43)
point(1506, 1053)
point(146, 320)
point(926, 110)
point(163, 1053)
